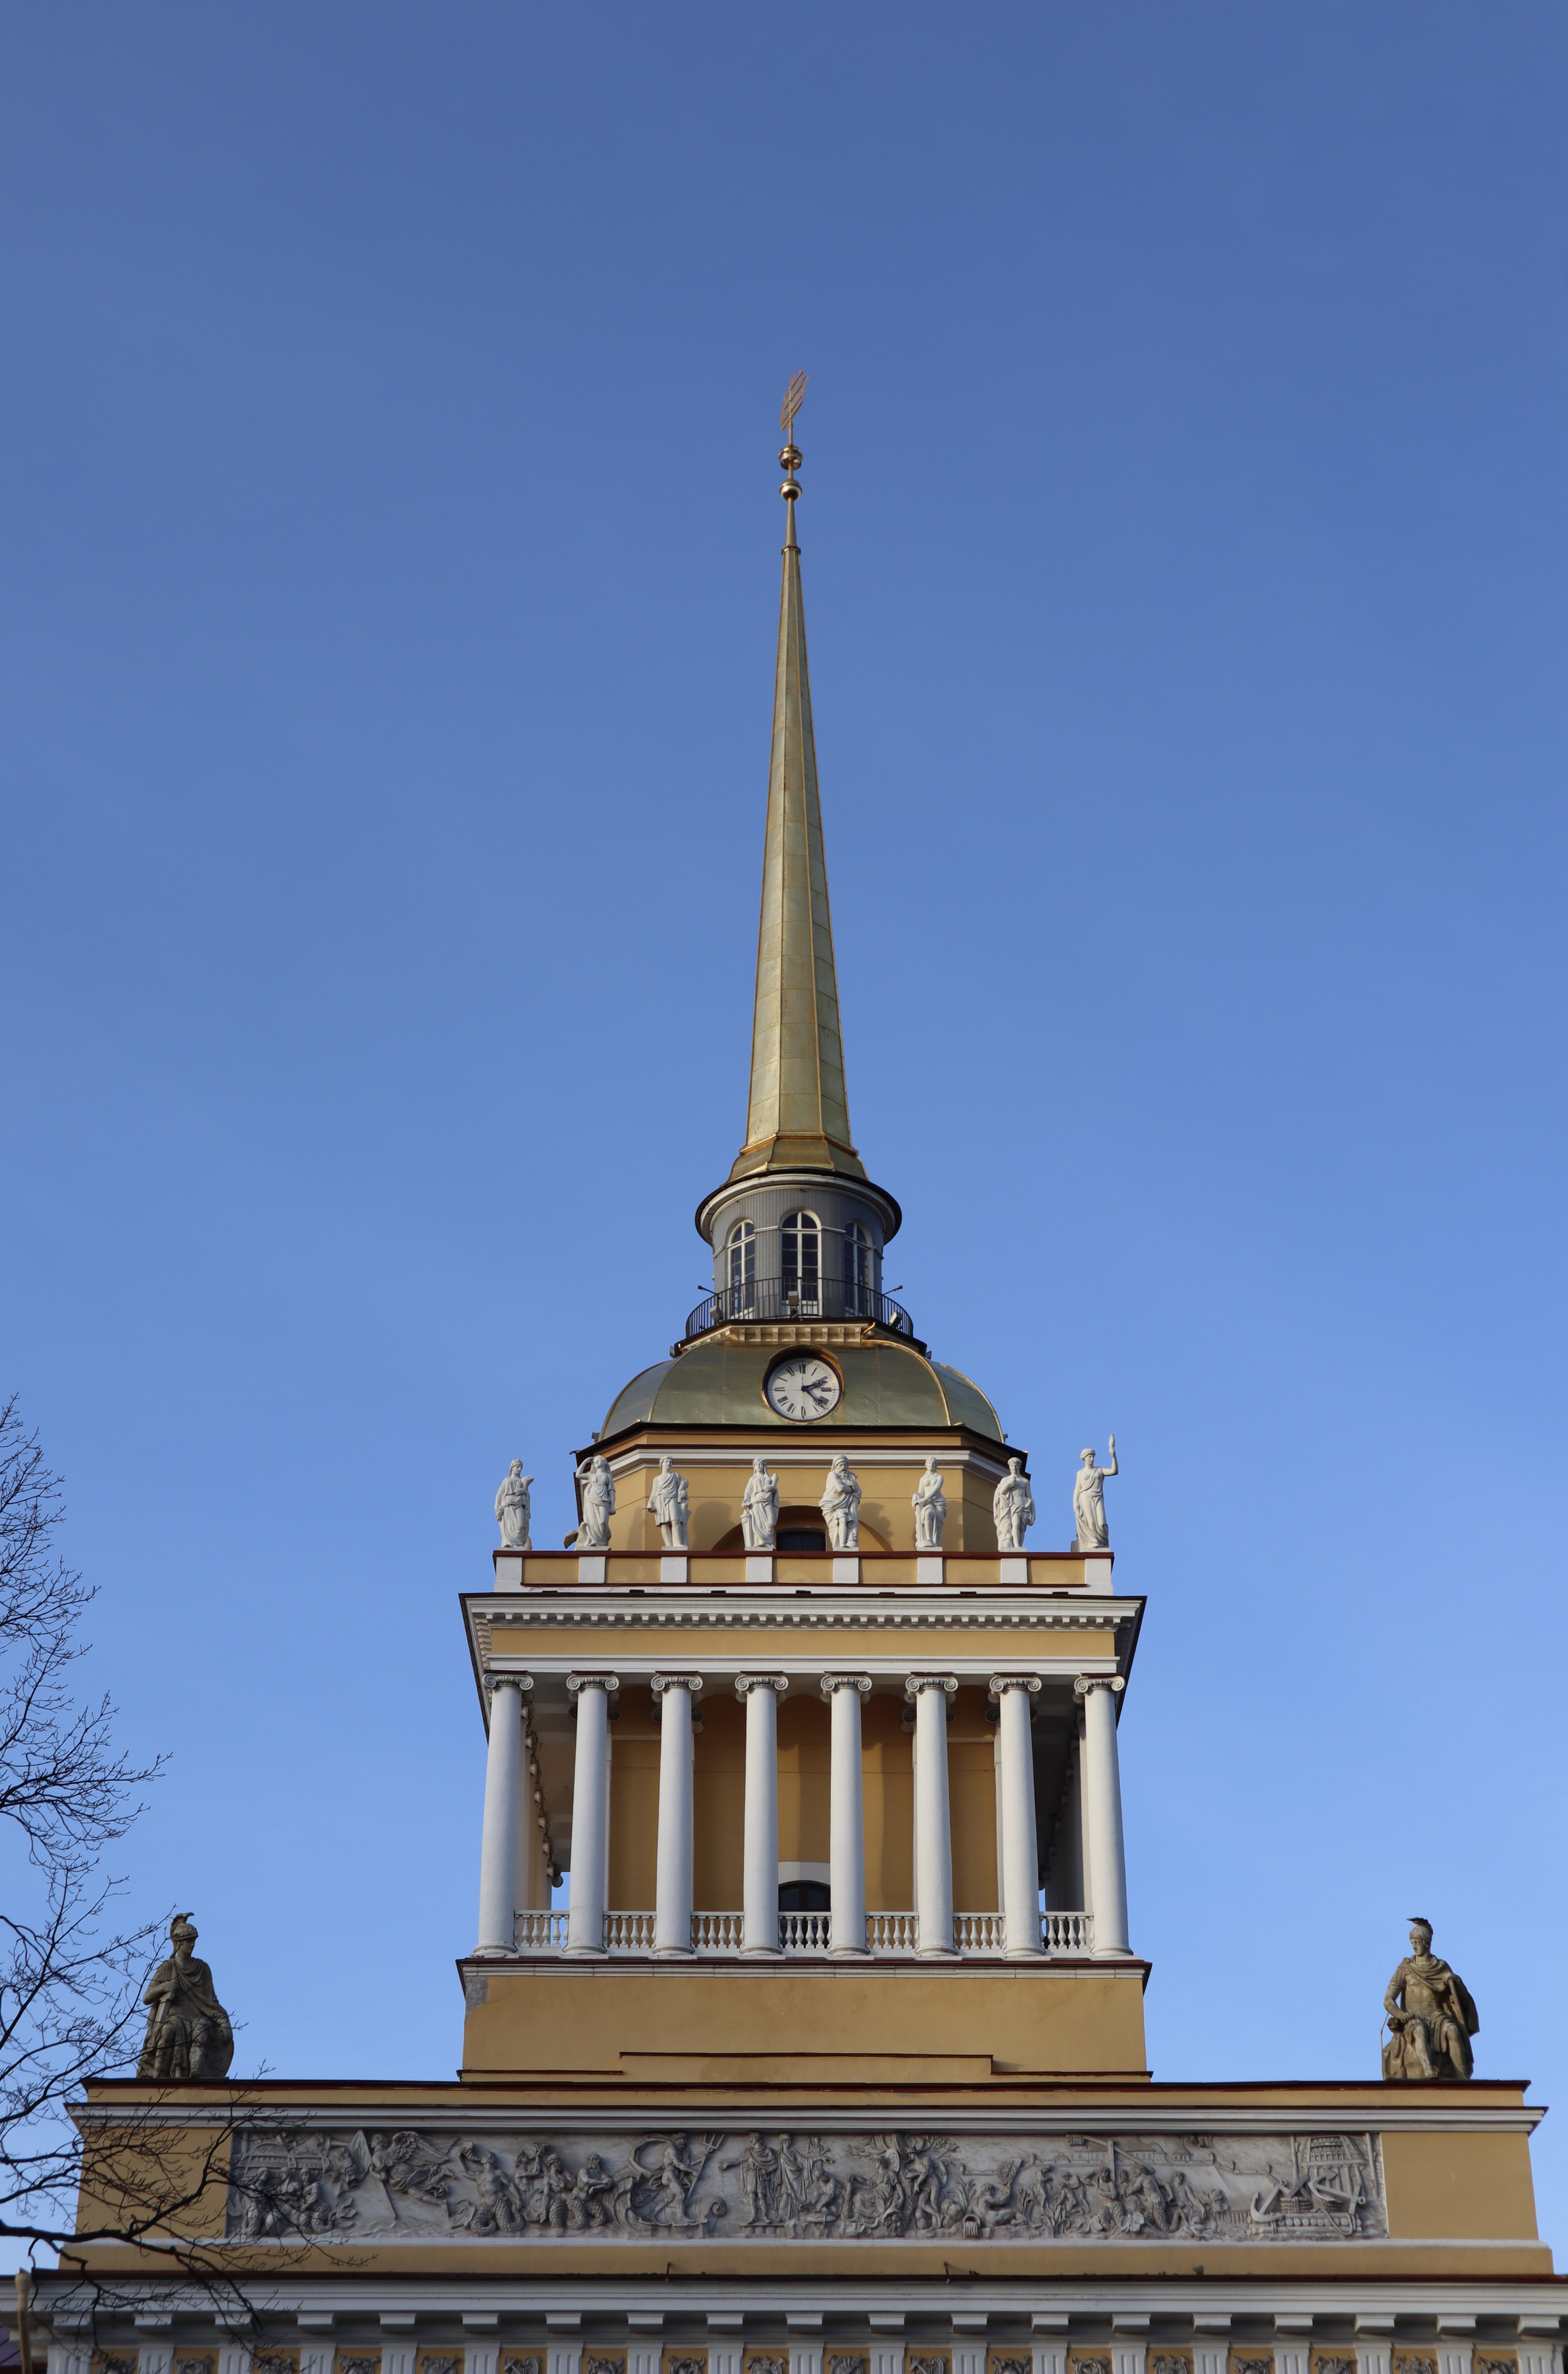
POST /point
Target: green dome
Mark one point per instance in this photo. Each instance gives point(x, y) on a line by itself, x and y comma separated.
point(720, 1383)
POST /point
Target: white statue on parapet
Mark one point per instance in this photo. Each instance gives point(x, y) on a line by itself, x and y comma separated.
point(670, 1501)
point(1088, 1502)
point(930, 1508)
point(512, 1508)
point(599, 1504)
point(760, 1507)
point(1012, 1505)
point(840, 1504)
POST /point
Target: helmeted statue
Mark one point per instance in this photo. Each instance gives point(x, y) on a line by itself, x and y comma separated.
point(1088, 1502)
point(599, 1504)
point(188, 2034)
point(760, 1507)
point(1012, 1505)
point(1432, 2014)
point(670, 1501)
point(840, 1504)
point(513, 1508)
point(930, 1508)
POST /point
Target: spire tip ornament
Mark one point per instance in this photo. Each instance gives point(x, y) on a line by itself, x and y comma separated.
point(789, 460)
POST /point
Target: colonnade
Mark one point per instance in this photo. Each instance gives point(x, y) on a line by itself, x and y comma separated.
point(1017, 1846)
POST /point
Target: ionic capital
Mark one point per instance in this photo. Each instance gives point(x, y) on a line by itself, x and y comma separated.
point(745, 1683)
point(831, 1682)
point(919, 1681)
point(1114, 1683)
point(692, 1682)
point(522, 1682)
point(1001, 1683)
point(608, 1683)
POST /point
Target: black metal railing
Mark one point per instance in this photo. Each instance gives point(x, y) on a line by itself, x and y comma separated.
point(774, 1298)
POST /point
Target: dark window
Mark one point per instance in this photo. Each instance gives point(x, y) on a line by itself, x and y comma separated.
point(802, 1537)
point(742, 1251)
point(858, 1278)
point(805, 1895)
point(801, 1238)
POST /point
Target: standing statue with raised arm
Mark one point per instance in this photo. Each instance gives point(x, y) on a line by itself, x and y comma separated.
point(1012, 1505)
point(670, 1501)
point(599, 1504)
point(1431, 2016)
point(514, 1508)
point(1088, 1502)
point(840, 1504)
point(760, 1507)
point(930, 1508)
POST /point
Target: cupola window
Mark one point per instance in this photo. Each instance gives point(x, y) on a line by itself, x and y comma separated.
point(801, 1234)
point(859, 1274)
point(741, 1250)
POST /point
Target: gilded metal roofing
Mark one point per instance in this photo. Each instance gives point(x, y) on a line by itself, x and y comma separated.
point(799, 1112)
point(720, 1383)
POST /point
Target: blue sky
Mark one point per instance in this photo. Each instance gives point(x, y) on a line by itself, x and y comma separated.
point(390, 579)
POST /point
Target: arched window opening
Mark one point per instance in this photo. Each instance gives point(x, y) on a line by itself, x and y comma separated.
point(801, 1234)
point(741, 1248)
point(859, 1271)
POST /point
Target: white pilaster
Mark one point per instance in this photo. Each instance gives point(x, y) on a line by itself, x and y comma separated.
point(1375, 2353)
point(478, 2359)
point(498, 1847)
point(1454, 2353)
point(887, 2357)
point(1292, 2354)
point(564, 2356)
point(760, 1864)
point(590, 1814)
point(1127, 2357)
point(846, 1825)
point(1048, 2357)
point(1107, 1861)
point(1020, 1852)
point(933, 1828)
point(672, 1878)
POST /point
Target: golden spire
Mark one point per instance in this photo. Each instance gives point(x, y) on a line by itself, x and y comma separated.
point(798, 1115)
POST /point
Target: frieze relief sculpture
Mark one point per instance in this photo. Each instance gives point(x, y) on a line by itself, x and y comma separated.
point(840, 1505)
point(760, 1507)
point(1089, 1529)
point(1431, 2016)
point(599, 1504)
point(930, 1508)
point(288, 2183)
point(514, 1508)
point(1012, 1505)
point(670, 1502)
point(188, 2034)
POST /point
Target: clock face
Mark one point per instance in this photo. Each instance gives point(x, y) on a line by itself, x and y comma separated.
point(803, 1386)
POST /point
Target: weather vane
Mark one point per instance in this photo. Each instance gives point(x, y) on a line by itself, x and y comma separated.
point(790, 458)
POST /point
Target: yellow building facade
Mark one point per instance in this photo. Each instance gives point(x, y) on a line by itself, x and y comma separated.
point(803, 2028)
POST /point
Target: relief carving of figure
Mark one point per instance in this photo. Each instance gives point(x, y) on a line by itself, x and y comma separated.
point(760, 1507)
point(840, 1504)
point(930, 1508)
point(599, 1504)
point(188, 2033)
point(1431, 2016)
point(512, 1508)
point(1088, 1502)
point(1012, 1505)
point(670, 1501)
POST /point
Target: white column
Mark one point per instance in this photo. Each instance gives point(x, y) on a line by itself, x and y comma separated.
point(760, 1885)
point(497, 1848)
point(672, 1883)
point(590, 1813)
point(1102, 1826)
point(1021, 1849)
point(846, 1826)
point(933, 1830)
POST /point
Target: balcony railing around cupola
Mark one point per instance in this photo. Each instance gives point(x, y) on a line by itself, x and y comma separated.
point(773, 1299)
